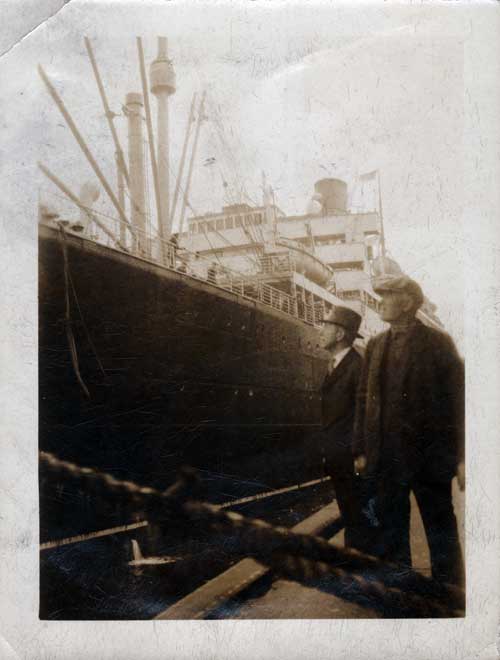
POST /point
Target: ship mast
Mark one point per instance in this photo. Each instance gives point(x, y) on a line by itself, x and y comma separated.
point(149, 126)
point(382, 233)
point(133, 110)
point(107, 112)
point(162, 80)
point(269, 213)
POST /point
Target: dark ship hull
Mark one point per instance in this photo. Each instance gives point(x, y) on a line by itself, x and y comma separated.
point(178, 371)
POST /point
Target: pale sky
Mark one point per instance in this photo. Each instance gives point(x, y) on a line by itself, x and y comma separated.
point(298, 94)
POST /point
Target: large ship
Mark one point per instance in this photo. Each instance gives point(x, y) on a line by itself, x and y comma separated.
point(201, 347)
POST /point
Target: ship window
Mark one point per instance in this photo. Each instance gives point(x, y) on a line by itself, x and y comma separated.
point(220, 223)
point(248, 220)
point(194, 227)
point(229, 222)
point(332, 239)
point(210, 225)
point(238, 222)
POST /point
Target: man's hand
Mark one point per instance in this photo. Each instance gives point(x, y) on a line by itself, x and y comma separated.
point(461, 475)
point(360, 464)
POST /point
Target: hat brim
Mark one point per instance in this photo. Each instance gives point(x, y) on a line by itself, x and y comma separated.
point(358, 336)
point(386, 289)
point(417, 296)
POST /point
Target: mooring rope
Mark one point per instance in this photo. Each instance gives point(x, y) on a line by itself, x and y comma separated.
point(301, 557)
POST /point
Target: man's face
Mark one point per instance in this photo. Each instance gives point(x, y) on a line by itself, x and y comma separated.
point(330, 335)
point(394, 305)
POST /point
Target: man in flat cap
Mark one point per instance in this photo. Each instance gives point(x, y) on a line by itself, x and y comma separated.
point(409, 429)
point(340, 329)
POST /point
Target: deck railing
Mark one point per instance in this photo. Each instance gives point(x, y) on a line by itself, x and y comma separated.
point(167, 254)
point(271, 264)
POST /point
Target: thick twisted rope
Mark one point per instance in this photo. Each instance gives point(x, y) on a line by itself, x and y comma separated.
point(298, 556)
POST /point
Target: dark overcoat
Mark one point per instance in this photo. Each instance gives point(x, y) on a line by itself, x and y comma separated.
point(338, 401)
point(430, 414)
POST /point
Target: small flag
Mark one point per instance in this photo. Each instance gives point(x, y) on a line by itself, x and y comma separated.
point(209, 161)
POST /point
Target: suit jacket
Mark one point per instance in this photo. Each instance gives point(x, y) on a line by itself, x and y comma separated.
point(338, 401)
point(431, 410)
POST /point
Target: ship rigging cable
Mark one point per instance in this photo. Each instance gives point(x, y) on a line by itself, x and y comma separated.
point(252, 260)
point(226, 154)
point(233, 162)
point(252, 230)
point(89, 338)
point(116, 220)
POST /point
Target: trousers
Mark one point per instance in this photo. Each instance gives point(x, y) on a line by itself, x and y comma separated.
point(348, 503)
point(435, 503)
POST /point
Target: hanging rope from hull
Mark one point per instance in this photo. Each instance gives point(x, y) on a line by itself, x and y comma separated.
point(68, 322)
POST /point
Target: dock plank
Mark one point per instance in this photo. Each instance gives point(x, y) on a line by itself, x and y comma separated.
point(209, 596)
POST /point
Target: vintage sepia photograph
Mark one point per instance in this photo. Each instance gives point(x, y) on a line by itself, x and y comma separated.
point(248, 235)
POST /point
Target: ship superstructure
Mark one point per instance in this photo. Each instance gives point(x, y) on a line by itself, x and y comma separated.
point(327, 256)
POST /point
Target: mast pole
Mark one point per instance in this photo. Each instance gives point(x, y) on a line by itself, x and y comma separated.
point(382, 232)
point(81, 143)
point(190, 170)
point(133, 110)
point(107, 111)
point(162, 84)
point(120, 180)
point(183, 158)
point(64, 188)
point(152, 153)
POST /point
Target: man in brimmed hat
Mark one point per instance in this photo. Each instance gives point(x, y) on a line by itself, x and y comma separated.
point(340, 329)
point(409, 428)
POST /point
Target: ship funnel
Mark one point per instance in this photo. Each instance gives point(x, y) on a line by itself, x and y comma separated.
point(332, 195)
point(133, 110)
point(162, 82)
